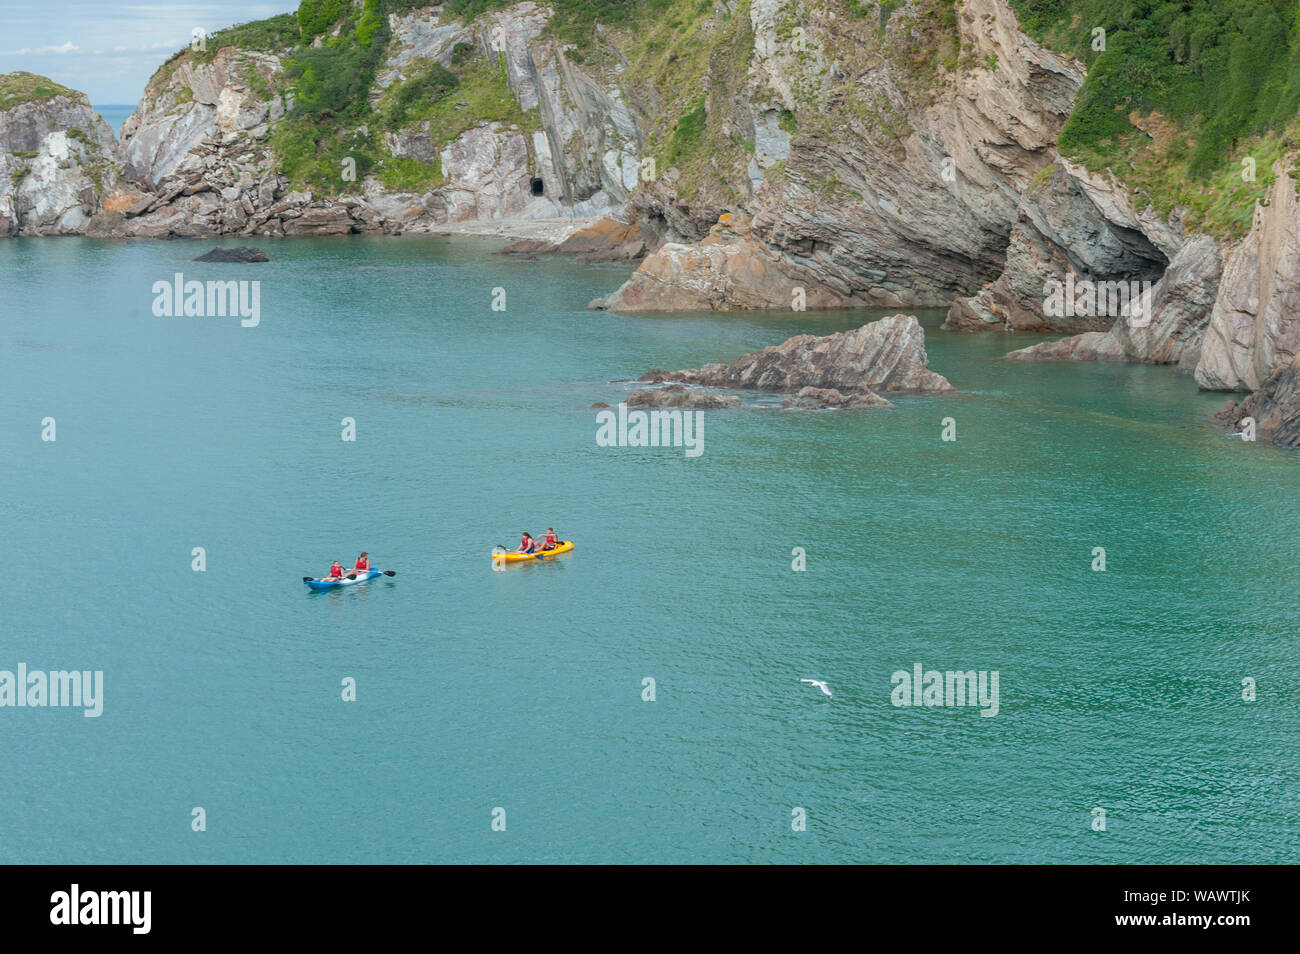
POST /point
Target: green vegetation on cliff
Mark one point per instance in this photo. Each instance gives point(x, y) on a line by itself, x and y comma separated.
point(1178, 94)
point(328, 123)
point(17, 88)
point(452, 101)
point(333, 118)
point(261, 36)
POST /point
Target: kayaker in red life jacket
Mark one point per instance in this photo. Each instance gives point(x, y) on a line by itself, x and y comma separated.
point(336, 571)
point(551, 541)
point(363, 562)
point(527, 544)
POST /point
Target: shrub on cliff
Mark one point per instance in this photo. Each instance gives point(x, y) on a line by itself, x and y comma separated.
point(1230, 69)
point(427, 87)
point(1219, 79)
point(317, 16)
point(276, 33)
point(333, 79)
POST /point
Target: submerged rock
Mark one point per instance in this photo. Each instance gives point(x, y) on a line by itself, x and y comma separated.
point(885, 356)
point(831, 398)
point(676, 395)
point(242, 254)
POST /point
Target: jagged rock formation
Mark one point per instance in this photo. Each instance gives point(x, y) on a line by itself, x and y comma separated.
point(1230, 315)
point(1254, 327)
point(1172, 334)
point(56, 158)
point(893, 195)
point(886, 356)
point(1069, 222)
point(196, 154)
point(1275, 407)
point(729, 270)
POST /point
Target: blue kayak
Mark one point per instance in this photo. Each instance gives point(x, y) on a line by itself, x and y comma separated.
point(331, 584)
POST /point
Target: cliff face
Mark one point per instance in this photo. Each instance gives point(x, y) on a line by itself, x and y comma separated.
point(196, 158)
point(765, 153)
point(1229, 313)
point(1275, 407)
point(202, 156)
point(57, 158)
point(1071, 225)
point(1254, 326)
point(897, 177)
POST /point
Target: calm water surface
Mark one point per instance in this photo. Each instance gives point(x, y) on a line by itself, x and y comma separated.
point(522, 689)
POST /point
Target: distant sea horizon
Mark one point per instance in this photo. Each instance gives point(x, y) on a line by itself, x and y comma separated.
point(115, 114)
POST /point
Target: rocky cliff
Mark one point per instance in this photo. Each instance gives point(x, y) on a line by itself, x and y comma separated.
point(1229, 313)
point(774, 154)
point(1275, 407)
point(212, 139)
point(217, 146)
point(57, 158)
point(889, 156)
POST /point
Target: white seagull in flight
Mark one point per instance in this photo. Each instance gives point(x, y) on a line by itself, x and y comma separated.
point(819, 684)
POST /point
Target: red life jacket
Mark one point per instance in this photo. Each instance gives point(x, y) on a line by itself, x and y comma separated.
point(363, 564)
point(336, 571)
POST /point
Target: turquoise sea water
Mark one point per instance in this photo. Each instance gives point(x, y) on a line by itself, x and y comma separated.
point(115, 115)
point(522, 690)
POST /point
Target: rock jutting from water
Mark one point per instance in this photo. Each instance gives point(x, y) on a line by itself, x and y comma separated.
point(243, 254)
point(886, 356)
point(604, 240)
point(677, 395)
point(819, 398)
point(1275, 407)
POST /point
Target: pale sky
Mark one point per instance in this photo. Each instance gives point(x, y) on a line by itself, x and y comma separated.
point(109, 49)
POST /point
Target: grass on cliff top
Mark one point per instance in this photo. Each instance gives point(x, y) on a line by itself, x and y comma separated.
point(17, 88)
point(1208, 81)
point(572, 21)
point(262, 36)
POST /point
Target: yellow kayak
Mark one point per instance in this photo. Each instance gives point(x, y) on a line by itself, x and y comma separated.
point(563, 547)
